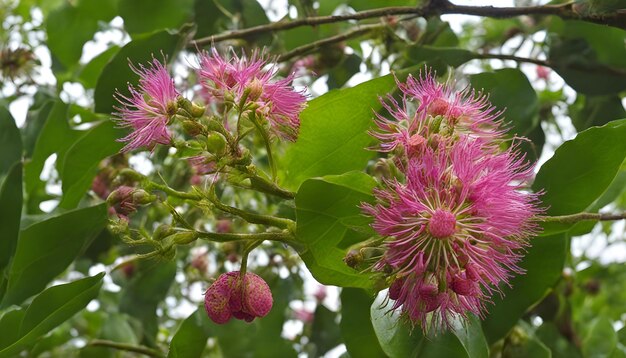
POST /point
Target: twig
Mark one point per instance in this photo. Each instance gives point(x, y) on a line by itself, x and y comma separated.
point(303, 50)
point(434, 7)
point(281, 236)
point(126, 347)
point(574, 218)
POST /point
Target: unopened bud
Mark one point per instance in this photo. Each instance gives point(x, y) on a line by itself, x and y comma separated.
point(216, 143)
point(193, 128)
point(233, 296)
point(161, 232)
point(353, 258)
point(256, 89)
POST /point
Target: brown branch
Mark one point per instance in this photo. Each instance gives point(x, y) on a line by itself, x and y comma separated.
point(433, 7)
point(126, 347)
point(303, 50)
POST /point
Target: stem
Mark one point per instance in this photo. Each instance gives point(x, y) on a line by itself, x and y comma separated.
point(268, 144)
point(302, 50)
point(574, 218)
point(126, 347)
point(246, 253)
point(172, 192)
point(281, 236)
point(252, 218)
point(265, 186)
point(433, 7)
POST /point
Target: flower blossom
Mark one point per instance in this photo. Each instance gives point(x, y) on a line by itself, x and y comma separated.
point(233, 296)
point(149, 107)
point(454, 230)
point(456, 221)
point(253, 81)
point(430, 109)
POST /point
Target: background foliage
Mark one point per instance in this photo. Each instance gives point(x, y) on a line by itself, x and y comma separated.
point(560, 75)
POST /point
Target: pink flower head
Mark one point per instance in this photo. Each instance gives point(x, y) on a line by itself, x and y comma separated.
point(233, 296)
point(431, 108)
point(454, 230)
point(253, 80)
point(543, 72)
point(148, 108)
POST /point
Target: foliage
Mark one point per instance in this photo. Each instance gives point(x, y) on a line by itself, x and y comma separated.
point(75, 280)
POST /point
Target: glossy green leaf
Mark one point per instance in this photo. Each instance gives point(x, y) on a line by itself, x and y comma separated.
point(333, 134)
point(591, 58)
point(558, 345)
point(117, 74)
point(10, 214)
point(82, 158)
point(142, 16)
point(71, 25)
point(49, 309)
point(35, 120)
point(543, 265)
point(327, 210)
point(326, 333)
point(47, 248)
point(450, 56)
point(147, 288)
point(590, 111)
point(55, 137)
point(190, 339)
point(471, 336)
point(397, 339)
point(510, 90)
point(10, 142)
point(90, 73)
point(580, 170)
point(601, 339)
point(356, 327)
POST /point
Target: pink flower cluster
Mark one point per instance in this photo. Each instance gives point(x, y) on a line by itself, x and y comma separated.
point(232, 295)
point(252, 80)
point(150, 108)
point(456, 224)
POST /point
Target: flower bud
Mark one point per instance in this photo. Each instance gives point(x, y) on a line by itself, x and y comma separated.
point(256, 89)
point(193, 128)
point(216, 143)
point(233, 296)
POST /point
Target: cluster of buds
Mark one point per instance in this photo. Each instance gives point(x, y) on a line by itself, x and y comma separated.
point(243, 297)
point(456, 215)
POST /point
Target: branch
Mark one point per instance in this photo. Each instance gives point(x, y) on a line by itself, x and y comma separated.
point(227, 237)
point(126, 347)
point(252, 218)
point(574, 218)
point(434, 7)
point(302, 50)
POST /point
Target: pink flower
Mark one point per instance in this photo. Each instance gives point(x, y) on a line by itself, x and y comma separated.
point(253, 80)
point(430, 108)
point(125, 200)
point(304, 315)
point(454, 230)
point(543, 72)
point(231, 296)
point(148, 108)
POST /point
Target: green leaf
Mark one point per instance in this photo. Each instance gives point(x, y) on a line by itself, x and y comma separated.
point(581, 170)
point(117, 74)
point(47, 248)
point(142, 16)
point(590, 111)
point(71, 25)
point(591, 58)
point(327, 209)
point(472, 338)
point(543, 265)
point(56, 136)
point(89, 74)
point(450, 56)
point(601, 338)
point(397, 339)
point(559, 346)
point(341, 73)
point(10, 142)
point(10, 215)
point(82, 158)
point(49, 309)
point(191, 337)
point(333, 134)
point(325, 331)
point(35, 120)
point(356, 327)
point(147, 288)
point(510, 90)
